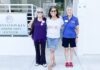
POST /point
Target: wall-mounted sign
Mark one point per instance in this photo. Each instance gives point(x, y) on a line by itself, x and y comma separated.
point(13, 24)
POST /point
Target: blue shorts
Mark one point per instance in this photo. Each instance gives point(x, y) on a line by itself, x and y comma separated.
point(52, 43)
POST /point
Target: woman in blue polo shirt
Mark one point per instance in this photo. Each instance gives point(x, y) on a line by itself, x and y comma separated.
point(70, 34)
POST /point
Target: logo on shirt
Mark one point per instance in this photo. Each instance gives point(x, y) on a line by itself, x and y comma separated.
point(42, 23)
point(66, 21)
point(73, 22)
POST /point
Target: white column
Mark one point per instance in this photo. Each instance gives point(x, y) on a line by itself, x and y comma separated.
point(65, 5)
point(75, 6)
point(40, 3)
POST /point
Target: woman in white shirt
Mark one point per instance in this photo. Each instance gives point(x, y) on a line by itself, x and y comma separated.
point(54, 24)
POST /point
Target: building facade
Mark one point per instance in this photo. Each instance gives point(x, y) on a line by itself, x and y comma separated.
point(38, 3)
point(62, 4)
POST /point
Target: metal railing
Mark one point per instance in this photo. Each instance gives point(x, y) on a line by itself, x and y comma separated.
point(19, 8)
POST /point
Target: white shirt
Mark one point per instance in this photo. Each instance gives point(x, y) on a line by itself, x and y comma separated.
point(54, 27)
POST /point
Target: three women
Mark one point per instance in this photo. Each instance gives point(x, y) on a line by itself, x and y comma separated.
point(49, 29)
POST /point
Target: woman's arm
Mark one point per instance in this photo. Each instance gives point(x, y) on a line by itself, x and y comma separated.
point(31, 22)
point(77, 30)
point(31, 26)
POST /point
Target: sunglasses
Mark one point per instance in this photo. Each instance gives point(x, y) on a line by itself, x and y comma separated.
point(39, 12)
point(53, 10)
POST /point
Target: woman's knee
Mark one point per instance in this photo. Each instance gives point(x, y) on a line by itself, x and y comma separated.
point(52, 50)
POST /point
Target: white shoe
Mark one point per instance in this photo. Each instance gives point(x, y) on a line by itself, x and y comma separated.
point(44, 65)
point(36, 64)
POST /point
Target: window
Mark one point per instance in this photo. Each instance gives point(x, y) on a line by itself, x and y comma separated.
point(16, 1)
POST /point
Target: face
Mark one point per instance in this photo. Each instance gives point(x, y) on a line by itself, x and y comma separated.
point(39, 13)
point(53, 12)
point(69, 11)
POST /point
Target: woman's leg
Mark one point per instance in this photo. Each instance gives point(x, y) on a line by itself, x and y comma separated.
point(51, 45)
point(52, 56)
point(65, 44)
point(43, 57)
point(66, 52)
point(71, 54)
point(71, 57)
point(72, 49)
point(37, 49)
point(55, 43)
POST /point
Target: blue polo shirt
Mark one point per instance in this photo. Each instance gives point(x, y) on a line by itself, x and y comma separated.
point(70, 26)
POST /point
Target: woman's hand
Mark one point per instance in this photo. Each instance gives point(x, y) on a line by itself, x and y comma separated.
point(76, 40)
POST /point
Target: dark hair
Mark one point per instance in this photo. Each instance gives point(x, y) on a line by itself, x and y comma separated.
point(49, 14)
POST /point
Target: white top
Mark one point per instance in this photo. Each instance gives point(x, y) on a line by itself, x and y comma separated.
point(54, 27)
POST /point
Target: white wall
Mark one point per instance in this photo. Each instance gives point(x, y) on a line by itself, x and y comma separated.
point(16, 46)
point(89, 18)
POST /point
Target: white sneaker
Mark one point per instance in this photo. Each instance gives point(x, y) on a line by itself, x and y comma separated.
point(36, 64)
point(44, 65)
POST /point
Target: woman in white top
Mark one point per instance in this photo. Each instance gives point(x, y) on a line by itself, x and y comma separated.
point(54, 24)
